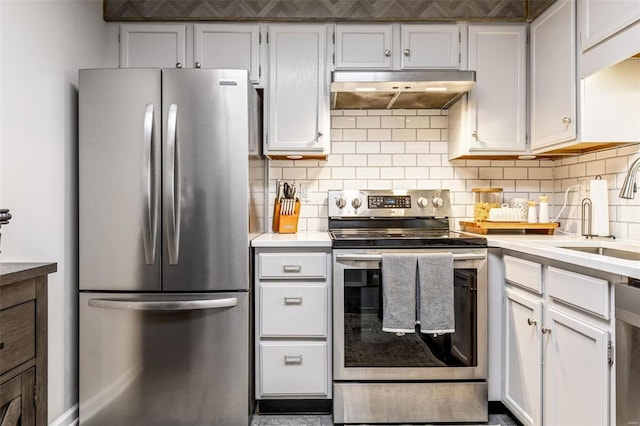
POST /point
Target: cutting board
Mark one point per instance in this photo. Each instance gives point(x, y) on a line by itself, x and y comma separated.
point(508, 227)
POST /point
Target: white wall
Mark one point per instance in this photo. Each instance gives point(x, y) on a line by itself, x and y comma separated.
point(42, 46)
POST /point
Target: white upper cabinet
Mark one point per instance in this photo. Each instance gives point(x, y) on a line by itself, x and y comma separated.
point(491, 119)
point(298, 91)
point(609, 33)
point(430, 46)
point(363, 46)
point(232, 46)
point(152, 46)
point(603, 18)
point(553, 75)
point(394, 46)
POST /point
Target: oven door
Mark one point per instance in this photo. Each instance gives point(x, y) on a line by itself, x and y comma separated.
point(362, 351)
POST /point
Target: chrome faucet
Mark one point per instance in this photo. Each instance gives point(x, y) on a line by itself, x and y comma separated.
point(629, 185)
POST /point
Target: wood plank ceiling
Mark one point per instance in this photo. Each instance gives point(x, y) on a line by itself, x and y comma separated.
point(324, 10)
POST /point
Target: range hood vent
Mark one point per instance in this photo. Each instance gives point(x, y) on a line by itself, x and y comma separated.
point(424, 89)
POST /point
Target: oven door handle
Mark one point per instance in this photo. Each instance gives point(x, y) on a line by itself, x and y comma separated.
point(378, 257)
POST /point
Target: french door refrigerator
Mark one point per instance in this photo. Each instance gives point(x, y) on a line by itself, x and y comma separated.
point(171, 181)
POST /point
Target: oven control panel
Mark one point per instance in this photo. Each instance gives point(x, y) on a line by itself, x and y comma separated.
point(390, 203)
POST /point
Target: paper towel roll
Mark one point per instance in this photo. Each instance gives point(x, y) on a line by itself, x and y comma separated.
point(599, 195)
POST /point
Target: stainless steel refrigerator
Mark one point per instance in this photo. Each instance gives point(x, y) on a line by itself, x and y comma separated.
point(171, 189)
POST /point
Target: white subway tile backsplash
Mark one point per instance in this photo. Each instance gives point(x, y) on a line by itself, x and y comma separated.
point(369, 122)
point(403, 134)
point(405, 149)
point(379, 134)
point(429, 134)
point(342, 122)
point(392, 122)
point(354, 134)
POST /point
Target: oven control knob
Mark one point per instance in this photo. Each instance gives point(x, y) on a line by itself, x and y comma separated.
point(423, 202)
point(437, 202)
point(356, 202)
point(341, 202)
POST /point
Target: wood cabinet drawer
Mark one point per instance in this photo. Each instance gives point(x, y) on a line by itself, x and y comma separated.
point(293, 310)
point(584, 292)
point(523, 273)
point(17, 335)
point(292, 265)
point(293, 368)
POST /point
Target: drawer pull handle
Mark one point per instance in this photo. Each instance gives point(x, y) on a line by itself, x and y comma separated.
point(545, 330)
point(293, 359)
point(1, 345)
point(531, 321)
point(292, 268)
point(292, 300)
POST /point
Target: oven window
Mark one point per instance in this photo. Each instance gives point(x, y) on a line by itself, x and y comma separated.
point(366, 345)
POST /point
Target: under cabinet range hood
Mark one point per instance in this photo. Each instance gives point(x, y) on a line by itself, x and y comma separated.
point(423, 89)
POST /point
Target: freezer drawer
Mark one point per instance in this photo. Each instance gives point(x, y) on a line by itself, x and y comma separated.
point(164, 359)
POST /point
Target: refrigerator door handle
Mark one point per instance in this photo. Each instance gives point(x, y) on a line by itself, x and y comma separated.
point(150, 227)
point(163, 305)
point(172, 187)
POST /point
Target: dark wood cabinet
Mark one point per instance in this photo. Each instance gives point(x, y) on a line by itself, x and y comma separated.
point(23, 343)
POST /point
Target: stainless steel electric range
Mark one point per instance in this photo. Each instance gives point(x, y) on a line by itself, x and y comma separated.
point(382, 377)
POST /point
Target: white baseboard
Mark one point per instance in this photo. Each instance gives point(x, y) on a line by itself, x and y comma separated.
point(69, 418)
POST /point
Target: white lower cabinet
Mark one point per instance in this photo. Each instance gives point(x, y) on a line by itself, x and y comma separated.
point(293, 368)
point(556, 351)
point(293, 323)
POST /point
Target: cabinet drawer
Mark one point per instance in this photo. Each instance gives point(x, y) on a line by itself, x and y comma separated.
point(582, 291)
point(17, 334)
point(293, 369)
point(523, 273)
point(293, 310)
point(292, 265)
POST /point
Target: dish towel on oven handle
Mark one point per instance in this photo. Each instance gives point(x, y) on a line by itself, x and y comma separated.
point(399, 293)
point(435, 293)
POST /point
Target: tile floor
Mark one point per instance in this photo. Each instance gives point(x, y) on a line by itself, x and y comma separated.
point(326, 420)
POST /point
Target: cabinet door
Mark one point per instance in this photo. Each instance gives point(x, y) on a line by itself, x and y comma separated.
point(576, 390)
point(152, 46)
point(228, 46)
point(430, 46)
point(600, 19)
point(497, 103)
point(363, 46)
point(522, 392)
point(298, 90)
point(553, 75)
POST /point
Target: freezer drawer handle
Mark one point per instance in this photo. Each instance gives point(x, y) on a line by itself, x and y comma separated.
point(293, 359)
point(149, 230)
point(163, 305)
point(292, 300)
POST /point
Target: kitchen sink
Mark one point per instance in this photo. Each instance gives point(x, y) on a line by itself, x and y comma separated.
point(607, 251)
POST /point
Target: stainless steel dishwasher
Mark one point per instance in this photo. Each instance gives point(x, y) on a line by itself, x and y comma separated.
point(627, 353)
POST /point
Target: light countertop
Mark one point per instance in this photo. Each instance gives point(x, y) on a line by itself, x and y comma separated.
point(550, 246)
point(299, 239)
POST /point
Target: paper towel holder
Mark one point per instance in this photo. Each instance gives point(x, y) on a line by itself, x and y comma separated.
point(587, 211)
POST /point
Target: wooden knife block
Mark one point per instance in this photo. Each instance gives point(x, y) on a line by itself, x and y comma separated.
point(285, 224)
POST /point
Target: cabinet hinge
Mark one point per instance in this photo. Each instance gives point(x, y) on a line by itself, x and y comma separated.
point(459, 37)
point(333, 58)
point(259, 71)
point(333, 38)
point(267, 36)
point(610, 353)
point(459, 57)
point(267, 138)
point(35, 396)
